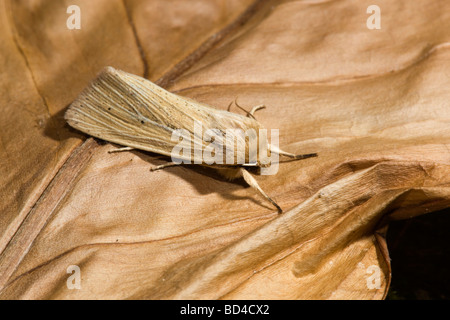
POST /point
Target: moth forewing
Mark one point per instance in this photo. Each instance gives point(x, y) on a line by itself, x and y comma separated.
point(132, 111)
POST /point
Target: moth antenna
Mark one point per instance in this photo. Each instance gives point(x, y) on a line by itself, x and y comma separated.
point(256, 108)
point(229, 106)
point(249, 114)
point(254, 184)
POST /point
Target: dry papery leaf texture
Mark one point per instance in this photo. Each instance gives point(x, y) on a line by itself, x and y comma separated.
point(373, 103)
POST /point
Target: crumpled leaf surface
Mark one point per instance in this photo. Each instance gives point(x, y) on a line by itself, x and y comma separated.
point(373, 103)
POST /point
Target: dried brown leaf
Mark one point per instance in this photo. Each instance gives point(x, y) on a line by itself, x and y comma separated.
point(373, 103)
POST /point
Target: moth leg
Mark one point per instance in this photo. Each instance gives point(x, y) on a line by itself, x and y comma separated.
point(291, 155)
point(121, 149)
point(254, 184)
point(166, 165)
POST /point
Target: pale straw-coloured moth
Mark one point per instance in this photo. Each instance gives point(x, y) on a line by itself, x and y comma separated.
point(134, 112)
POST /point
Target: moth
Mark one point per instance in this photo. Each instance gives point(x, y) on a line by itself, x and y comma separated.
point(131, 111)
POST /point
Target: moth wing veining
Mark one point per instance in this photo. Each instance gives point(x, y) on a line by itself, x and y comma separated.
point(132, 111)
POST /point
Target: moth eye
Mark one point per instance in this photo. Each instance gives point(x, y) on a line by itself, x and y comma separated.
point(142, 121)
